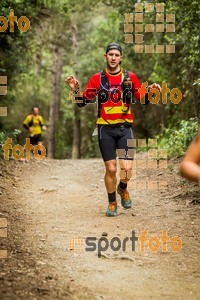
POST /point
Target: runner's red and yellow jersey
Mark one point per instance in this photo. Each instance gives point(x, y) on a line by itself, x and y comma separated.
point(113, 111)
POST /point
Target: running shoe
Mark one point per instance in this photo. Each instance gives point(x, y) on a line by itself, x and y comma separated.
point(112, 209)
point(125, 198)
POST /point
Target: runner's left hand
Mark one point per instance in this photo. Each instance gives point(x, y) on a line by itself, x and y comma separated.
point(155, 86)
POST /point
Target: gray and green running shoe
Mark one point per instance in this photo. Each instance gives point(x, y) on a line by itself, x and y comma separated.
point(112, 209)
point(125, 198)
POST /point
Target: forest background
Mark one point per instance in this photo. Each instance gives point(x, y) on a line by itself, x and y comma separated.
point(69, 37)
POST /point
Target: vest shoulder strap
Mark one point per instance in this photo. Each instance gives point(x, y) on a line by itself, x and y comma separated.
point(104, 83)
point(126, 74)
point(39, 120)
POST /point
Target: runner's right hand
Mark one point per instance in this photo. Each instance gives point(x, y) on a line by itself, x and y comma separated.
point(44, 128)
point(72, 82)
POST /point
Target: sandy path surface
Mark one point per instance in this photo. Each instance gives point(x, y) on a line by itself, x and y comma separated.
point(47, 204)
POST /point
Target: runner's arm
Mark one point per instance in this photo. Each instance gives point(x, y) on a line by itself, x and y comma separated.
point(42, 124)
point(190, 165)
point(26, 122)
point(89, 93)
point(140, 91)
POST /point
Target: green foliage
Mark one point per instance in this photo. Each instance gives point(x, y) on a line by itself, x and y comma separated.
point(177, 139)
point(98, 24)
point(4, 135)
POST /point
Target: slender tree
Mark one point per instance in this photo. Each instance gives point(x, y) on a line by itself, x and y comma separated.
point(77, 120)
point(55, 97)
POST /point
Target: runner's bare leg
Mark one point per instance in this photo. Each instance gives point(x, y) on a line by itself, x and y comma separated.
point(110, 175)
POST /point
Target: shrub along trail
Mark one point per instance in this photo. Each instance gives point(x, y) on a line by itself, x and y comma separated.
point(50, 203)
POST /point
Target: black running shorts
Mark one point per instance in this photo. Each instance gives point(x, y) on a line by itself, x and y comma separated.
point(34, 140)
point(112, 138)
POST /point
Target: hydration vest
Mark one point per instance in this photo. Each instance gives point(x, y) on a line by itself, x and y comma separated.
point(125, 96)
point(31, 121)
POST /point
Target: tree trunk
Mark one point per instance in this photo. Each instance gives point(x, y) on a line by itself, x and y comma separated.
point(197, 98)
point(55, 99)
point(76, 145)
point(76, 133)
point(38, 52)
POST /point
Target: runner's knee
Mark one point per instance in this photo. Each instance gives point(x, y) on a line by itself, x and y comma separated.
point(111, 170)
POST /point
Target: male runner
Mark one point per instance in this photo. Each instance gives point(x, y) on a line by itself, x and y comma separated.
point(114, 120)
point(34, 123)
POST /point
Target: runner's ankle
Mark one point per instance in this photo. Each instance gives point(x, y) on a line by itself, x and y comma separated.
point(112, 197)
point(122, 186)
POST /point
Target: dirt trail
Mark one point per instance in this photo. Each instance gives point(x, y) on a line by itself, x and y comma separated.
point(49, 203)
